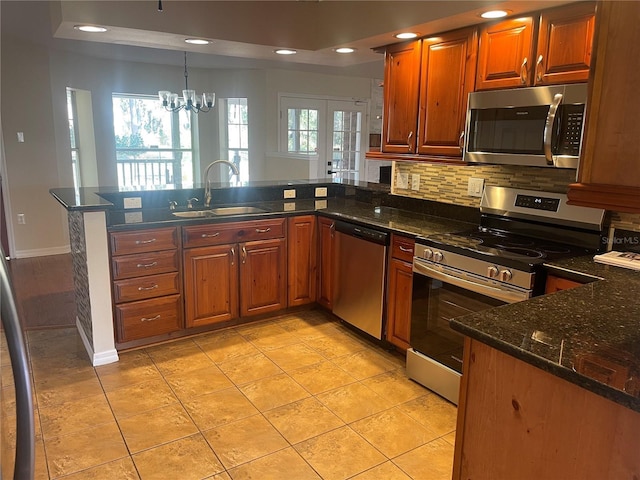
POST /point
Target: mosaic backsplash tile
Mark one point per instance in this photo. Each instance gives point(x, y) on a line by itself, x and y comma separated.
point(80, 274)
point(448, 184)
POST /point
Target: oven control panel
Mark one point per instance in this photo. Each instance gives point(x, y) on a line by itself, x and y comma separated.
point(537, 202)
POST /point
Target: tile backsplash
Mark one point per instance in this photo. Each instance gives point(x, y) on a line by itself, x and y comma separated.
point(448, 184)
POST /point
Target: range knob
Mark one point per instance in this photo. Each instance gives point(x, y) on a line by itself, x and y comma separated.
point(437, 256)
point(493, 271)
point(506, 275)
point(428, 254)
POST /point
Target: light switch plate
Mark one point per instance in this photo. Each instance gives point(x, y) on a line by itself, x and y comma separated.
point(321, 191)
point(415, 182)
point(133, 202)
point(475, 187)
point(290, 193)
point(402, 180)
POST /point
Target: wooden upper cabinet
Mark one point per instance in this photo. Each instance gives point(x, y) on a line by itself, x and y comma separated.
point(504, 55)
point(400, 114)
point(565, 40)
point(609, 172)
point(447, 76)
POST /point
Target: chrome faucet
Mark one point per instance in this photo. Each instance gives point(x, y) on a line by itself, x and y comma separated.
point(207, 188)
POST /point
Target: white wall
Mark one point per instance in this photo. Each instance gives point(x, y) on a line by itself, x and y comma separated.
point(34, 81)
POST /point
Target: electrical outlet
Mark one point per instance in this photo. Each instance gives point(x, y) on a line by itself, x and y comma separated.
point(20, 137)
point(415, 182)
point(321, 191)
point(290, 193)
point(133, 202)
point(475, 187)
point(289, 206)
point(320, 204)
point(402, 180)
point(21, 219)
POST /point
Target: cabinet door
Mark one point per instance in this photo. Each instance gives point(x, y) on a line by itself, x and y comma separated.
point(211, 284)
point(565, 39)
point(263, 283)
point(609, 171)
point(400, 115)
point(302, 260)
point(448, 75)
point(399, 302)
point(555, 284)
point(326, 234)
point(504, 54)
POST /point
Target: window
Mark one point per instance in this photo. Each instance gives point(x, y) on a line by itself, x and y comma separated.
point(72, 115)
point(154, 148)
point(327, 129)
point(237, 114)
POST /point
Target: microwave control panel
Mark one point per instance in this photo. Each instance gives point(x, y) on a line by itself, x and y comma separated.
point(572, 117)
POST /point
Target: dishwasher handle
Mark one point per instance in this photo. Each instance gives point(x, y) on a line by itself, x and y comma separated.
point(364, 233)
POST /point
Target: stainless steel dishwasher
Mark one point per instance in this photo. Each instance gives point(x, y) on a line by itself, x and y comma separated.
point(360, 261)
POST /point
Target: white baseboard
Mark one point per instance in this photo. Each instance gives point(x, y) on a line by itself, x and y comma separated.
point(99, 358)
point(42, 252)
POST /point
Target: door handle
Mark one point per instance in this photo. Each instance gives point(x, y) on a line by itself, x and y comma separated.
point(538, 69)
point(244, 255)
point(409, 137)
point(461, 141)
point(548, 128)
point(233, 256)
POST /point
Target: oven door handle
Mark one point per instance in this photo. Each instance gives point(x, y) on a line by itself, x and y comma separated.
point(504, 295)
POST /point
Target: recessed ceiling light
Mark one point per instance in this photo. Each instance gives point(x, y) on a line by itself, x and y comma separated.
point(406, 35)
point(345, 50)
point(197, 41)
point(495, 14)
point(285, 51)
point(90, 28)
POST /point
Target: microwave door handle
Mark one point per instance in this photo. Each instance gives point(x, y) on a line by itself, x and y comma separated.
point(548, 128)
point(504, 295)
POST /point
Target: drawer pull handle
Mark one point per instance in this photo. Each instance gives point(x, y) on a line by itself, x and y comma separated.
point(143, 289)
point(405, 249)
point(143, 242)
point(209, 235)
point(263, 230)
point(145, 319)
point(147, 265)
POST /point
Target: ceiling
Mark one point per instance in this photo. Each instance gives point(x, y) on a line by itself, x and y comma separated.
point(244, 34)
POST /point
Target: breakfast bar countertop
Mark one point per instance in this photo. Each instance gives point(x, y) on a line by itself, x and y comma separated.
point(563, 333)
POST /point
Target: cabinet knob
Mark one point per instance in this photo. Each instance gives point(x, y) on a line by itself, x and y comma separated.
point(524, 71)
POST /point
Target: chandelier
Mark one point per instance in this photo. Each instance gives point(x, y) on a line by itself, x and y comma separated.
point(189, 101)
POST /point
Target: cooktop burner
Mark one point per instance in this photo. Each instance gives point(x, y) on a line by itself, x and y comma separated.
point(501, 247)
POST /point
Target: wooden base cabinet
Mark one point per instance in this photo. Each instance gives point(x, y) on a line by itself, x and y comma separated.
point(517, 421)
point(224, 280)
point(211, 284)
point(302, 259)
point(399, 288)
point(326, 234)
point(263, 281)
point(147, 283)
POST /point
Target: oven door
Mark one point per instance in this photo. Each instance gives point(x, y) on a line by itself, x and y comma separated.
point(439, 294)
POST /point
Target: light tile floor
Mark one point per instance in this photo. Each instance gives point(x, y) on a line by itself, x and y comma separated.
point(296, 397)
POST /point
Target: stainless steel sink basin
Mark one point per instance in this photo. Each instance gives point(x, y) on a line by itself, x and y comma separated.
point(236, 210)
point(193, 214)
point(219, 211)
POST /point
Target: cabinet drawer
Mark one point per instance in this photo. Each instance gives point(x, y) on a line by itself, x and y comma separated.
point(402, 248)
point(148, 318)
point(222, 233)
point(140, 288)
point(123, 243)
point(144, 264)
point(210, 234)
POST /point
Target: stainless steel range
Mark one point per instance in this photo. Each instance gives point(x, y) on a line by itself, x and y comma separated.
point(499, 262)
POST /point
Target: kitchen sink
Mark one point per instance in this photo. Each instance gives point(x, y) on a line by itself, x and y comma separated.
point(236, 210)
point(219, 211)
point(193, 214)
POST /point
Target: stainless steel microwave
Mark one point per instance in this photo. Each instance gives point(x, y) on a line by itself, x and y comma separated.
point(537, 126)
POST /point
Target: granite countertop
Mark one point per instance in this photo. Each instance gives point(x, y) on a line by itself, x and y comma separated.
point(587, 335)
